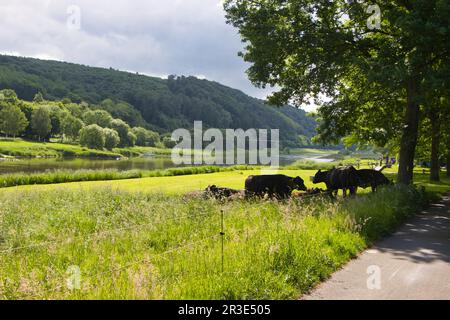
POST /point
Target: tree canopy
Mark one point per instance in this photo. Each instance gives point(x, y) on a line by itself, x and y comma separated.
point(92, 136)
point(65, 120)
point(376, 75)
point(12, 120)
point(41, 122)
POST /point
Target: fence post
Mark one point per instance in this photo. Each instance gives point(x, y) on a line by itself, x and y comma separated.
point(222, 235)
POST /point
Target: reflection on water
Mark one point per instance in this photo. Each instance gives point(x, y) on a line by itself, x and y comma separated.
point(145, 163)
point(41, 165)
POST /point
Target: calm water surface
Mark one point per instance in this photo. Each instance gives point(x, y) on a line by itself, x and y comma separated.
point(144, 163)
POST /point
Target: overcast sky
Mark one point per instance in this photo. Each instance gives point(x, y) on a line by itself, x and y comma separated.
point(154, 37)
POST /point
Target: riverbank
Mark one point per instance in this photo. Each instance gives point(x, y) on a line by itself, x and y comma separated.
point(28, 157)
point(19, 148)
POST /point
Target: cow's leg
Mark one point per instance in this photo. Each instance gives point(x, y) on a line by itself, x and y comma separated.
point(344, 192)
point(330, 192)
point(249, 194)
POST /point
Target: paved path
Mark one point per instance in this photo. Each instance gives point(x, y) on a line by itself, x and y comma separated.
point(413, 263)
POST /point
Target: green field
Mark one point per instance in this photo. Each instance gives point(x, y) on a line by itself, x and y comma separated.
point(134, 245)
point(150, 238)
point(172, 184)
point(235, 178)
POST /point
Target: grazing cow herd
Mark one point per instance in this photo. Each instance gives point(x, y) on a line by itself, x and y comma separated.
point(348, 178)
point(281, 186)
point(278, 186)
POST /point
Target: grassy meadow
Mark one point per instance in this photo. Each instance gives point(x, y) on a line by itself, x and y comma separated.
point(137, 245)
point(146, 239)
point(171, 184)
point(178, 181)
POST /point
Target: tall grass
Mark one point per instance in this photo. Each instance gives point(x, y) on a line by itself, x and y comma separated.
point(314, 165)
point(141, 246)
point(185, 171)
point(62, 176)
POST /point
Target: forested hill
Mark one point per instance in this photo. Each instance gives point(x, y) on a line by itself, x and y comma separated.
point(159, 104)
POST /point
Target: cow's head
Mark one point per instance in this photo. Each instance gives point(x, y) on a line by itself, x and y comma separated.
point(212, 189)
point(321, 176)
point(299, 184)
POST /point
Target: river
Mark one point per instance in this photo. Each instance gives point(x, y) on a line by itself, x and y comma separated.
point(142, 163)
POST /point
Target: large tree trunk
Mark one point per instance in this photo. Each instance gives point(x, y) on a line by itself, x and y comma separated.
point(435, 140)
point(448, 163)
point(409, 138)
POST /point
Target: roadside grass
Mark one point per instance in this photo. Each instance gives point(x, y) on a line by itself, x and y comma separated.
point(441, 187)
point(136, 245)
point(422, 179)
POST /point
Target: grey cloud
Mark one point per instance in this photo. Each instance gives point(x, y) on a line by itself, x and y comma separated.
point(154, 37)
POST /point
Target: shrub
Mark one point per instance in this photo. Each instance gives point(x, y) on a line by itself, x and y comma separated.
point(131, 139)
point(99, 117)
point(145, 137)
point(112, 138)
point(123, 129)
point(168, 143)
point(92, 136)
point(71, 126)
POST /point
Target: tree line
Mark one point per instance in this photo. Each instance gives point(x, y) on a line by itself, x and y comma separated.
point(88, 125)
point(385, 74)
point(161, 105)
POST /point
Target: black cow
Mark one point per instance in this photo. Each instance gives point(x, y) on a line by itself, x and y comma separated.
point(371, 178)
point(219, 192)
point(345, 178)
point(279, 186)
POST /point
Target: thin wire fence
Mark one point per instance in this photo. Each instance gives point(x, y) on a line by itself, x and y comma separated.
point(146, 260)
point(97, 235)
point(219, 235)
